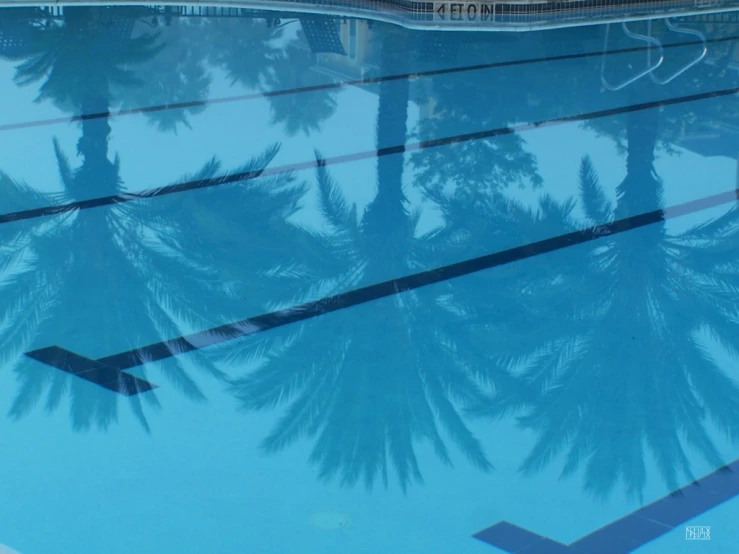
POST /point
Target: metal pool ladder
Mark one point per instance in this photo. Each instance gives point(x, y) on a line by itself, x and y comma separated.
point(651, 65)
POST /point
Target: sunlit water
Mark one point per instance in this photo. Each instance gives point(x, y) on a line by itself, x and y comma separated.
point(558, 387)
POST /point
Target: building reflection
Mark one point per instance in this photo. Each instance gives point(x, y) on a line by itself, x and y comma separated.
point(360, 56)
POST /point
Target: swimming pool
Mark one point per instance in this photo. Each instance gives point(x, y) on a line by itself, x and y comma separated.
point(336, 286)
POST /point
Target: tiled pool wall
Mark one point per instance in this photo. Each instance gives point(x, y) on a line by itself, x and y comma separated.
point(450, 15)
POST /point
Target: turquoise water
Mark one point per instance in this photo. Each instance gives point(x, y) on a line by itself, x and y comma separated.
point(382, 289)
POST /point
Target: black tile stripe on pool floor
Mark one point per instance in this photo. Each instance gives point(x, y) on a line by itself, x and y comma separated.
point(620, 537)
point(631, 531)
point(342, 84)
point(357, 156)
point(117, 363)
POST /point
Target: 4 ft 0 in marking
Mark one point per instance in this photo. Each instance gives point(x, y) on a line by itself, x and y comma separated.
point(467, 11)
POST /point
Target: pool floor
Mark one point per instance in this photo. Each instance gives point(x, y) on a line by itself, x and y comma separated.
point(330, 285)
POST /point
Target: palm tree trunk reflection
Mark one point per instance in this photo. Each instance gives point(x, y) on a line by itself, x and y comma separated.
point(370, 386)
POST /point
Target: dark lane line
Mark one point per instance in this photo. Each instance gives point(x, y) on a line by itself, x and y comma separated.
point(344, 158)
point(635, 529)
point(342, 84)
point(93, 371)
point(253, 325)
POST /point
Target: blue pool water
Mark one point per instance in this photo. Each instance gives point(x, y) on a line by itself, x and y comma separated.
point(334, 286)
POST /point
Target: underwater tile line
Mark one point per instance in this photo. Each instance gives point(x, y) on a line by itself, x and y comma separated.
point(340, 84)
point(631, 531)
point(111, 368)
point(357, 156)
point(92, 370)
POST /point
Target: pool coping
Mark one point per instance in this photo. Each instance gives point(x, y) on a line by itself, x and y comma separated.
point(443, 15)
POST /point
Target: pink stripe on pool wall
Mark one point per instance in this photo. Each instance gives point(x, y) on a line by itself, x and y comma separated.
point(701, 204)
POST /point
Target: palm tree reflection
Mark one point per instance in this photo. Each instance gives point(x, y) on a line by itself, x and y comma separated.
point(178, 74)
point(611, 334)
point(246, 49)
point(635, 378)
point(114, 269)
point(55, 51)
point(366, 408)
point(302, 112)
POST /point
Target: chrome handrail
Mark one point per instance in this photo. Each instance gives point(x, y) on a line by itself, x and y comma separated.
point(680, 30)
point(645, 38)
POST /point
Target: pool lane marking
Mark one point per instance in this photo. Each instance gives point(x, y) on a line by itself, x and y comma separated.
point(92, 370)
point(631, 531)
point(112, 367)
point(357, 156)
point(341, 84)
